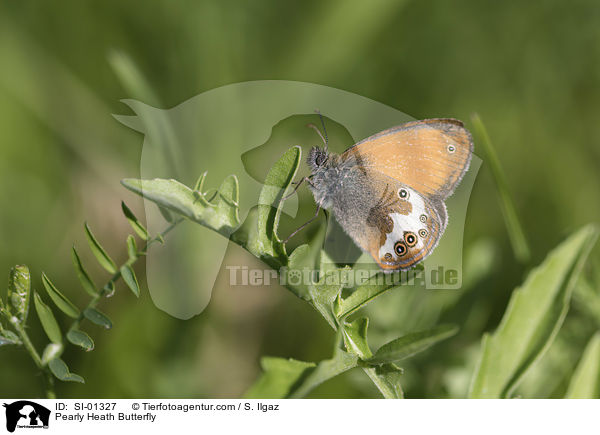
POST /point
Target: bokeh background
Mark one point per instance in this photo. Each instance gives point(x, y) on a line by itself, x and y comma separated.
point(530, 69)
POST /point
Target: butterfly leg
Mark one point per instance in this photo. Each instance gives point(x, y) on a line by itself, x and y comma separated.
point(304, 224)
point(298, 184)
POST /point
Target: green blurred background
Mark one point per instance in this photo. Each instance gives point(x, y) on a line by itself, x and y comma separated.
point(530, 69)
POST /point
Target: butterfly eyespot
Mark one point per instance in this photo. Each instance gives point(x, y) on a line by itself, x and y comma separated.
point(451, 148)
point(410, 239)
point(400, 249)
point(388, 257)
point(403, 193)
point(423, 218)
point(423, 233)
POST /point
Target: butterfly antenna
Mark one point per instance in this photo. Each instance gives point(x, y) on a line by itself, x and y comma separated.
point(315, 128)
point(326, 139)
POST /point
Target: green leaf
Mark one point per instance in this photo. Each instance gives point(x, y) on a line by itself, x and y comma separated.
point(9, 337)
point(60, 300)
point(278, 378)
point(410, 344)
point(515, 230)
point(534, 315)
point(221, 216)
point(47, 319)
point(85, 280)
point(264, 242)
point(52, 351)
point(585, 383)
point(19, 288)
point(373, 287)
point(98, 318)
point(101, 255)
point(355, 337)
point(324, 293)
point(325, 370)
point(61, 371)
point(129, 277)
point(132, 251)
point(81, 339)
point(387, 380)
point(166, 214)
point(134, 222)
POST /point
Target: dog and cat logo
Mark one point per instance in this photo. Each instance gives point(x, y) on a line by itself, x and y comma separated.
point(26, 414)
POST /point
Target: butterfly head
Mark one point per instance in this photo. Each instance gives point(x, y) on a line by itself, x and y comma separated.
point(317, 159)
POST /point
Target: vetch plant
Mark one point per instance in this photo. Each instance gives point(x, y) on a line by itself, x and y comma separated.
point(530, 324)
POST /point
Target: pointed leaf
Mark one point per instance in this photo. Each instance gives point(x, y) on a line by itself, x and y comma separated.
point(47, 319)
point(61, 371)
point(81, 339)
point(365, 293)
point(130, 279)
point(174, 196)
point(325, 370)
point(85, 280)
point(98, 318)
point(355, 337)
point(535, 312)
point(265, 243)
point(105, 261)
point(278, 378)
point(410, 344)
point(19, 286)
point(60, 300)
point(134, 222)
point(585, 383)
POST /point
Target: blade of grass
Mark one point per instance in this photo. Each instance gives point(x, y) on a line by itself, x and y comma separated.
point(515, 230)
point(585, 383)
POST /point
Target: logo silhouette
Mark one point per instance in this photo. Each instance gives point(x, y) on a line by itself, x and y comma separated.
point(26, 414)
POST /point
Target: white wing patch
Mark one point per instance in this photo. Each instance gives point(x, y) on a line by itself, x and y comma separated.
point(410, 222)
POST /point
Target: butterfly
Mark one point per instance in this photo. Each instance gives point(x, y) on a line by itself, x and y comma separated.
point(388, 191)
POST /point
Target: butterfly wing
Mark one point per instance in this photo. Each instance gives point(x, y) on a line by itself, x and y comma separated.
point(430, 156)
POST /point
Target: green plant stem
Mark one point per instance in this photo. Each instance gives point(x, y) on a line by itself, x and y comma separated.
point(113, 279)
point(35, 356)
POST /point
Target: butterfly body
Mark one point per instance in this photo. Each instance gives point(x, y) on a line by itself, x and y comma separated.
point(388, 191)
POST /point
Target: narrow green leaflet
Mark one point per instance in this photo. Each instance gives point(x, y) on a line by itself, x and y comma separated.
point(105, 261)
point(85, 280)
point(355, 337)
point(19, 287)
point(410, 344)
point(81, 339)
point(221, 215)
point(513, 225)
point(534, 315)
point(134, 222)
point(61, 371)
point(132, 251)
point(278, 378)
point(325, 370)
point(47, 319)
point(585, 383)
point(60, 300)
point(98, 318)
point(130, 279)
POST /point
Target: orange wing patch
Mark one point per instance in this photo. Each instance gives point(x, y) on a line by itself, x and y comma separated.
point(430, 156)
